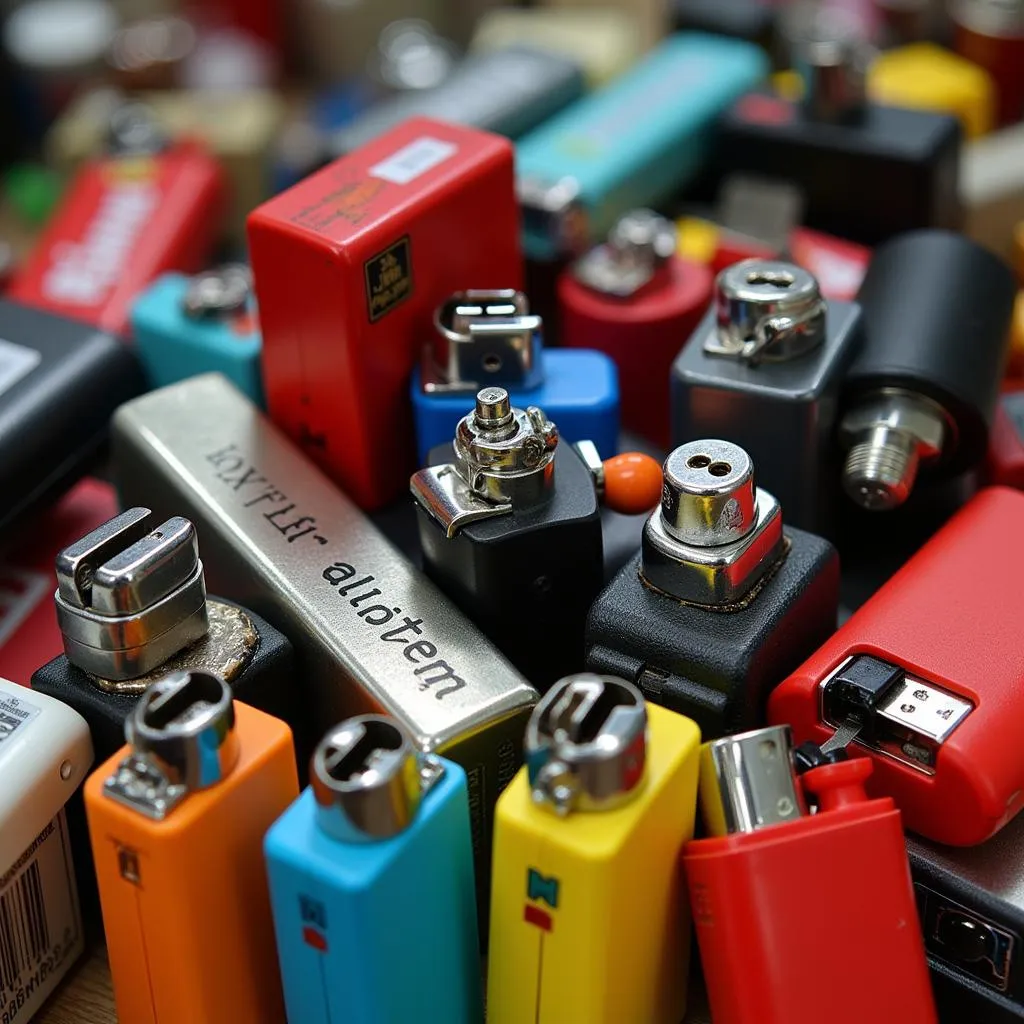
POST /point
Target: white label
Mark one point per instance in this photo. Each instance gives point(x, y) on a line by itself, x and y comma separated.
point(20, 591)
point(15, 362)
point(40, 924)
point(14, 713)
point(413, 160)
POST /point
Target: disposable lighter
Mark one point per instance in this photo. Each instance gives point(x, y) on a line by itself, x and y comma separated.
point(588, 919)
point(177, 820)
point(769, 868)
point(925, 679)
point(373, 860)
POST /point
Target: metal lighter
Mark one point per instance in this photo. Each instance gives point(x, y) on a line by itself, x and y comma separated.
point(373, 860)
point(177, 820)
point(45, 754)
point(184, 326)
point(489, 338)
point(372, 633)
point(588, 917)
point(721, 602)
point(764, 370)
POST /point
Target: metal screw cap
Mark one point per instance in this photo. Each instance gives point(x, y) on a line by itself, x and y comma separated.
point(218, 292)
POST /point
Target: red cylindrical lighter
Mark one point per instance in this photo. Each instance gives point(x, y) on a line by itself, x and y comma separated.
point(126, 218)
point(927, 676)
point(796, 910)
point(635, 300)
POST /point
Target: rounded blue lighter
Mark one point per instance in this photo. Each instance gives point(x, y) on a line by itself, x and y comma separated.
point(485, 337)
point(185, 326)
point(371, 883)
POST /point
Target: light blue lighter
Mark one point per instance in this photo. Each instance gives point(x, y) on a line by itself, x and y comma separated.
point(632, 143)
point(184, 326)
point(371, 884)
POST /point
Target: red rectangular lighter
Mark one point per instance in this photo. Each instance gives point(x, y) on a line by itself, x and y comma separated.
point(124, 220)
point(350, 265)
point(927, 678)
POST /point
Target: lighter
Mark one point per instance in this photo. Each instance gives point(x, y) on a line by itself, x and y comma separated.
point(374, 859)
point(992, 186)
point(186, 326)
point(489, 338)
point(925, 677)
point(372, 633)
point(764, 370)
point(508, 91)
point(511, 530)
point(45, 754)
point(60, 381)
point(768, 867)
point(350, 265)
point(588, 915)
point(721, 602)
point(633, 298)
point(145, 208)
point(177, 819)
point(916, 395)
point(867, 171)
point(132, 607)
point(991, 34)
point(630, 144)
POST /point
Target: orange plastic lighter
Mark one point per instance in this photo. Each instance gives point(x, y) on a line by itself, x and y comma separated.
point(177, 819)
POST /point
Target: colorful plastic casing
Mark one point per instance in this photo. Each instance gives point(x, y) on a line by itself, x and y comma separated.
point(123, 222)
point(641, 137)
point(757, 897)
point(350, 917)
point(641, 333)
point(172, 346)
point(579, 392)
point(952, 616)
point(588, 919)
point(350, 265)
point(185, 904)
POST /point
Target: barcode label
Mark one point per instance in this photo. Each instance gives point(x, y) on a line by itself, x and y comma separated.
point(413, 160)
point(15, 362)
point(14, 713)
point(40, 926)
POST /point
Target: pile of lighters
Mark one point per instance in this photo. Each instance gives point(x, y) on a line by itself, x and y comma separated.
point(471, 672)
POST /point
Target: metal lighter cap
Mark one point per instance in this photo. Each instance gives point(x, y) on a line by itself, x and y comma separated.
point(218, 293)
point(554, 212)
point(134, 131)
point(369, 780)
point(129, 597)
point(767, 310)
point(586, 744)
point(504, 460)
point(715, 535)
point(640, 243)
point(183, 739)
point(483, 336)
point(748, 781)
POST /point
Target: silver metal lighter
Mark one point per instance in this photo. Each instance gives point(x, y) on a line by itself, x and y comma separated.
point(373, 635)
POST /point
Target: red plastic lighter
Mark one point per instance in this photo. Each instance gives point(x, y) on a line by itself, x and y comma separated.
point(350, 265)
point(928, 676)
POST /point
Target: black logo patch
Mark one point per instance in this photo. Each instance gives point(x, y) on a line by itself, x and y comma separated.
point(388, 279)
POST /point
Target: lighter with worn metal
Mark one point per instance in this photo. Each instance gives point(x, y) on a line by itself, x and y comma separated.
point(721, 602)
point(372, 633)
point(588, 916)
point(132, 607)
point(177, 819)
point(184, 326)
point(488, 337)
point(45, 754)
point(764, 370)
point(374, 860)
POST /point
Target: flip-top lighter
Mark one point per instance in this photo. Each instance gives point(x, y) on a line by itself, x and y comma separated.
point(373, 860)
point(925, 678)
point(768, 869)
point(588, 918)
point(177, 820)
point(489, 338)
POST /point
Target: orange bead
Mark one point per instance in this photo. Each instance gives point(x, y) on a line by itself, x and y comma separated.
point(632, 483)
